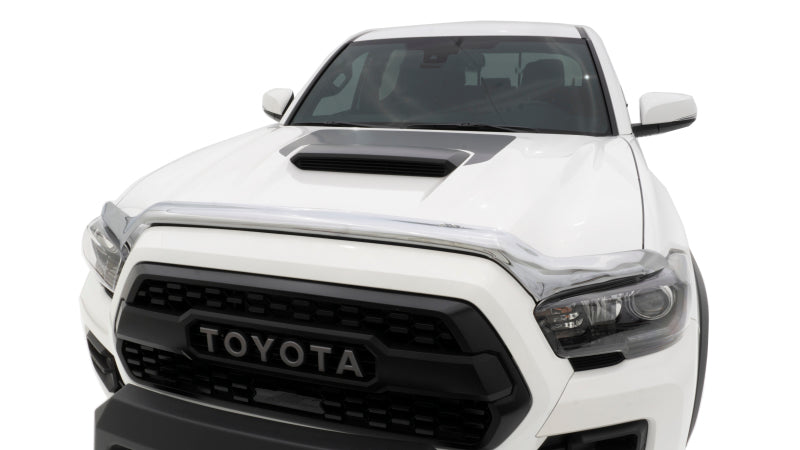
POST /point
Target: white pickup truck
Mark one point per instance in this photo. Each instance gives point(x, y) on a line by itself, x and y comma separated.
point(449, 240)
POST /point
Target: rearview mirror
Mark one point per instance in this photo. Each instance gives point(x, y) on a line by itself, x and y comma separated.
point(275, 102)
point(661, 112)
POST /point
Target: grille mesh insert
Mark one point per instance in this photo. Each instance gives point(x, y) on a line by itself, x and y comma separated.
point(395, 327)
point(453, 422)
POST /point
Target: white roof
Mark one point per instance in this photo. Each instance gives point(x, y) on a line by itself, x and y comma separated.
point(484, 28)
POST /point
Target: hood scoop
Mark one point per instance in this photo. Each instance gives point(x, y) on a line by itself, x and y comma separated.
point(380, 160)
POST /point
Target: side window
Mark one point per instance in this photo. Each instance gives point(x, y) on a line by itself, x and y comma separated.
point(346, 82)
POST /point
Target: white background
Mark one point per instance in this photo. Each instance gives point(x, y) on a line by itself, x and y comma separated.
point(96, 94)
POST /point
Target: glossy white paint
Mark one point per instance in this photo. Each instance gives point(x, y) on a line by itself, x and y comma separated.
point(482, 28)
point(663, 229)
point(562, 400)
point(659, 388)
point(276, 100)
point(665, 107)
point(564, 195)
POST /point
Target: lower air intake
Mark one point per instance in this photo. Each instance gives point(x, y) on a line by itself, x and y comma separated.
point(627, 436)
point(104, 364)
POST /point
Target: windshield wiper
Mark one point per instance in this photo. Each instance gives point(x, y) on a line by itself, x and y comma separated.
point(464, 126)
point(469, 126)
point(332, 123)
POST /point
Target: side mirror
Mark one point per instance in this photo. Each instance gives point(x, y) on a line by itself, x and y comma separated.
point(275, 102)
point(661, 112)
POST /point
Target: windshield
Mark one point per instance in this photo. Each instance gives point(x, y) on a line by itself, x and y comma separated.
point(546, 85)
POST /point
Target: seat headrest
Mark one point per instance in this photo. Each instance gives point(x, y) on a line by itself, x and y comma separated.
point(543, 74)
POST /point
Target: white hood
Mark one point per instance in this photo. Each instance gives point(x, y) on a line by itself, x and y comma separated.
point(564, 195)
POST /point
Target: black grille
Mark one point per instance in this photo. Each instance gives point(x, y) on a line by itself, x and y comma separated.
point(433, 368)
point(394, 326)
point(456, 422)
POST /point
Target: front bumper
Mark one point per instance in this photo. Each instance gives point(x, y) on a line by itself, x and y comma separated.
point(658, 388)
point(138, 419)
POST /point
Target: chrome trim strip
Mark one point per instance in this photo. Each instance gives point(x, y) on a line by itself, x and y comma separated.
point(542, 276)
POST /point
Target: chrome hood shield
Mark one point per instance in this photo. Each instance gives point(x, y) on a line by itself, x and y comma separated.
point(542, 276)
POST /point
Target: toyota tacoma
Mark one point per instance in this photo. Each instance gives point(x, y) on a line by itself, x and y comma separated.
point(449, 240)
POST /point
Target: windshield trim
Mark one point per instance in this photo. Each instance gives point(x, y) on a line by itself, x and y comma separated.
point(612, 115)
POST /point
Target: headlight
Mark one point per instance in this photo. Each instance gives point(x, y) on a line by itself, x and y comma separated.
point(635, 319)
point(103, 253)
